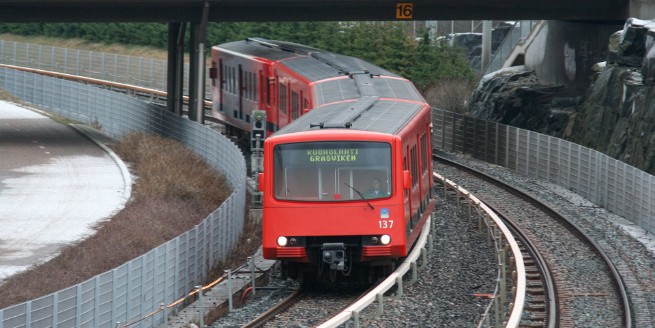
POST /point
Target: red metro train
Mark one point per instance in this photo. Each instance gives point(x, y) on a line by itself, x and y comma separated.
point(347, 185)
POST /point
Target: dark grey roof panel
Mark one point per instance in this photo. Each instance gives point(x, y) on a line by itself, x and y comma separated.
point(384, 116)
point(346, 89)
point(312, 69)
point(336, 90)
point(351, 64)
point(394, 88)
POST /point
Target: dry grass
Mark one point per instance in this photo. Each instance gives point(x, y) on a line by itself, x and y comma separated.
point(6, 96)
point(173, 192)
point(450, 95)
point(129, 50)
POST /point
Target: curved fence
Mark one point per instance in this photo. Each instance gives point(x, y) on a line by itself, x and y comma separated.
point(166, 273)
point(620, 188)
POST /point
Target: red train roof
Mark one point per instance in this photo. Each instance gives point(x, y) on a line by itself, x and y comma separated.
point(311, 63)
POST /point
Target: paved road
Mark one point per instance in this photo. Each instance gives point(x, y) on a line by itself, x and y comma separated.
point(55, 185)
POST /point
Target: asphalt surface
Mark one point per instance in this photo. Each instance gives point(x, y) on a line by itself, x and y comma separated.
point(55, 185)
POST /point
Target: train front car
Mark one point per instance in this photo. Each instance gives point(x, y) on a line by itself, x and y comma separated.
point(344, 189)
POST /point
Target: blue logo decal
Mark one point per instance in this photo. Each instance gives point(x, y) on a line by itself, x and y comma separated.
point(384, 213)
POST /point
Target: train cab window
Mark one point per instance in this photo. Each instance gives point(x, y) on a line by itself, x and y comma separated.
point(332, 171)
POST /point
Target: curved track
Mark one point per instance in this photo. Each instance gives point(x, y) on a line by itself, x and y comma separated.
point(585, 277)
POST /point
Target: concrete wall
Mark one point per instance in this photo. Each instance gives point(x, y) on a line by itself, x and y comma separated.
point(564, 52)
point(642, 9)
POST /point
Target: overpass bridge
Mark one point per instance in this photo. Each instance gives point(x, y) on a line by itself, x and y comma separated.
point(179, 14)
point(307, 10)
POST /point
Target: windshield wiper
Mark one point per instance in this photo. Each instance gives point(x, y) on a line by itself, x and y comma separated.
point(360, 195)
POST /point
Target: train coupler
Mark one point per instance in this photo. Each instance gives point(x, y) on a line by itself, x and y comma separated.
point(334, 254)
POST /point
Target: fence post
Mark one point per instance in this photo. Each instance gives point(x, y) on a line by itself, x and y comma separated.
point(201, 318)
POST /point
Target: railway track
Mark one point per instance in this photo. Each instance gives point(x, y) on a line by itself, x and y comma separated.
point(587, 289)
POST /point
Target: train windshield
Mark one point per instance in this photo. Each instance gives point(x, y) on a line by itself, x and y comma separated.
point(332, 171)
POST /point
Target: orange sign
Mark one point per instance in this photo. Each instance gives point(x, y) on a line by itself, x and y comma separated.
point(404, 10)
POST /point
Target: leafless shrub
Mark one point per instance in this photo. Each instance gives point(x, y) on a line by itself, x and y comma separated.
point(174, 191)
point(451, 95)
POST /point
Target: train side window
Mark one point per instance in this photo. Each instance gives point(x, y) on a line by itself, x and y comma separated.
point(246, 84)
point(233, 78)
point(295, 105)
point(414, 168)
point(283, 98)
point(424, 152)
point(254, 87)
point(212, 73)
point(224, 77)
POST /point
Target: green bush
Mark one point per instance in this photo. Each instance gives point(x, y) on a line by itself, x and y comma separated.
point(386, 44)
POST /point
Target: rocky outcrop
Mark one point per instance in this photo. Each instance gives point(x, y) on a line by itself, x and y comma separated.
point(515, 96)
point(615, 115)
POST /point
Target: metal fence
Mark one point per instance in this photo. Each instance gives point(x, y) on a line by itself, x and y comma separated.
point(609, 183)
point(169, 271)
point(139, 71)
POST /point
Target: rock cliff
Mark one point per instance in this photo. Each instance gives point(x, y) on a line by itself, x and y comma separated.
point(615, 115)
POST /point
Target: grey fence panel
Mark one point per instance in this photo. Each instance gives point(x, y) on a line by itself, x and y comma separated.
point(42, 310)
point(66, 312)
point(609, 183)
point(170, 271)
point(103, 299)
point(16, 316)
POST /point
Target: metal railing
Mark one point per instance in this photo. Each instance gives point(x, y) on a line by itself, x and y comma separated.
point(133, 290)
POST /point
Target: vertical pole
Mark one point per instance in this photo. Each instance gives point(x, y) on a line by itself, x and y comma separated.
point(197, 71)
point(486, 44)
point(201, 318)
point(229, 289)
point(163, 309)
point(251, 261)
point(171, 75)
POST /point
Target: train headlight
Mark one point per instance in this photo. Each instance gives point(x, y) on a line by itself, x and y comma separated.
point(282, 241)
point(385, 239)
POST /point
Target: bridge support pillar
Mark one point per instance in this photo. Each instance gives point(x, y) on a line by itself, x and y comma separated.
point(175, 74)
point(197, 67)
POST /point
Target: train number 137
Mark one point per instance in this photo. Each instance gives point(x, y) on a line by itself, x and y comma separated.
point(385, 224)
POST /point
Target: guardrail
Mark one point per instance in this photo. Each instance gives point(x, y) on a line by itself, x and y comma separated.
point(510, 262)
point(137, 288)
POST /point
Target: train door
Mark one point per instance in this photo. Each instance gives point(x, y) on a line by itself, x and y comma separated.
point(414, 194)
point(420, 172)
point(221, 83)
point(408, 202)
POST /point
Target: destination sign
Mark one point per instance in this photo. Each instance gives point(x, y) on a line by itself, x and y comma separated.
point(332, 155)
